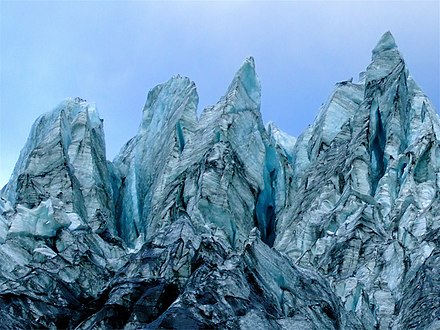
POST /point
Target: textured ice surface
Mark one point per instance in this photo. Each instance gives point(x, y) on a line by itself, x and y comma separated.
point(168, 122)
point(219, 222)
point(368, 205)
point(64, 158)
point(215, 169)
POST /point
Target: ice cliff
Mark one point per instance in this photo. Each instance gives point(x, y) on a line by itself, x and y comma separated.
point(220, 222)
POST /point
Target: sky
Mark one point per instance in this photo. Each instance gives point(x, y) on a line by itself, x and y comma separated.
point(113, 52)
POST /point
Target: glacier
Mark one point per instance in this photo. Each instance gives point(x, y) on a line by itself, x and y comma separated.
point(218, 221)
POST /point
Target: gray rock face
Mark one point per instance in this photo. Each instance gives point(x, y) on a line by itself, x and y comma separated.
point(219, 222)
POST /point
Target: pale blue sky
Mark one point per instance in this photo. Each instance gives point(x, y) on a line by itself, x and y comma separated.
point(113, 53)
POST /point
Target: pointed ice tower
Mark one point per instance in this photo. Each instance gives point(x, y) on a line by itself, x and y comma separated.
point(367, 204)
point(64, 159)
point(168, 124)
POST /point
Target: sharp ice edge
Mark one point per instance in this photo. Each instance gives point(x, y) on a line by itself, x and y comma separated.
point(222, 222)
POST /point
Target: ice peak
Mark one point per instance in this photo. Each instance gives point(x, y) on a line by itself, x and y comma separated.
point(176, 88)
point(246, 82)
point(386, 60)
point(386, 42)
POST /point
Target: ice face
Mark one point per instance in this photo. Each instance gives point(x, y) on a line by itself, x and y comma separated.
point(39, 221)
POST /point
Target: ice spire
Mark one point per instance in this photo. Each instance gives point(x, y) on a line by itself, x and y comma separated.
point(386, 61)
point(169, 119)
point(385, 43)
point(246, 84)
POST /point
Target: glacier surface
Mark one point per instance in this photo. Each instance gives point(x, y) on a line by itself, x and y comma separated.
point(218, 221)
